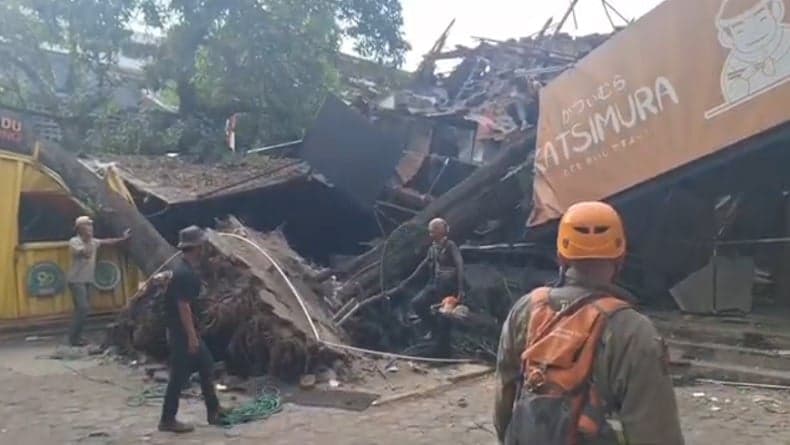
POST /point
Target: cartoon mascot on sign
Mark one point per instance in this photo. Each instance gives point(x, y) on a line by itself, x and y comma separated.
point(759, 44)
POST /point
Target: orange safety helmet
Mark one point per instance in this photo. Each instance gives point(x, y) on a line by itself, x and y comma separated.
point(591, 230)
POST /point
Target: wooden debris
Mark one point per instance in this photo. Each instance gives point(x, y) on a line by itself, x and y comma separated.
point(246, 313)
point(744, 384)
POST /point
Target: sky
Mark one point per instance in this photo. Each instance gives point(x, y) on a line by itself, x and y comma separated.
point(424, 20)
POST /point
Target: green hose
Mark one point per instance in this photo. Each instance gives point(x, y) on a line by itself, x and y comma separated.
point(147, 396)
point(262, 407)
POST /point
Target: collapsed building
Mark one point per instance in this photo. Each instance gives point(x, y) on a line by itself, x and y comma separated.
point(517, 131)
point(685, 150)
point(687, 166)
point(304, 189)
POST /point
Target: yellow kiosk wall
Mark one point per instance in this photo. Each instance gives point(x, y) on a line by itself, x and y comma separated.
point(20, 174)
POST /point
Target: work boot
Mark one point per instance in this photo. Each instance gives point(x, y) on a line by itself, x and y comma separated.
point(217, 417)
point(175, 427)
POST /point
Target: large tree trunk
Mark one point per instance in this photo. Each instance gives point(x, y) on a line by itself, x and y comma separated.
point(482, 196)
point(147, 247)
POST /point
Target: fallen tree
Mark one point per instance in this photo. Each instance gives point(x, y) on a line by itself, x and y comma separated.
point(247, 312)
point(489, 193)
point(147, 247)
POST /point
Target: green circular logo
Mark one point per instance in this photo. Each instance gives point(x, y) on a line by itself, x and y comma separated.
point(107, 276)
point(45, 279)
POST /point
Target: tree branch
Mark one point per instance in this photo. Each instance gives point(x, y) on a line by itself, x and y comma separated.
point(43, 88)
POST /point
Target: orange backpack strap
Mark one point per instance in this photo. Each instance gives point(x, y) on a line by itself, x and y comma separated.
point(565, 343)
point(597, 312)
point(540, 313)
point(559, 358)
point(610, 305)
point(539, 296)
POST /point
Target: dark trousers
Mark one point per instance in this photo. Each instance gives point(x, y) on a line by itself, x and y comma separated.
point(80, 294)
point(433, 293)
point(182, 365)
point(422, 302)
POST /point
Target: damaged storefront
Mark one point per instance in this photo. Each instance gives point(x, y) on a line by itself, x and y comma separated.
point(40, 211)
point(516, 131)
point(688, 150)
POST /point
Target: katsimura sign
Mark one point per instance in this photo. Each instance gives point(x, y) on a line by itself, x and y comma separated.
point(690, 78)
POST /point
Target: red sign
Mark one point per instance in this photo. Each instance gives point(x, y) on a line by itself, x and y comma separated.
point(11, 132)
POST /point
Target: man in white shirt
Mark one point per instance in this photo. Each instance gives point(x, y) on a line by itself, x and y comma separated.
point(83, 248)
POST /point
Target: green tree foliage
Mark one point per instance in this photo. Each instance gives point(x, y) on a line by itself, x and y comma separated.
point(58, 57)
point(272, 61)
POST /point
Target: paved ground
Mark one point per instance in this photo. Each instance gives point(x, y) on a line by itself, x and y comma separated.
point(42, 402)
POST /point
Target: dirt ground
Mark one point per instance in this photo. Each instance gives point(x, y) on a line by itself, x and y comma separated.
point(43, 402)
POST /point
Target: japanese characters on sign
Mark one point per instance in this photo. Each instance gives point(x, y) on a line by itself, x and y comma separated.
point(689, 79)
point(601, 94)
point(608, 120)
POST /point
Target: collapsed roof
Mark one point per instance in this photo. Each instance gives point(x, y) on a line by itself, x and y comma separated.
point(175, 180)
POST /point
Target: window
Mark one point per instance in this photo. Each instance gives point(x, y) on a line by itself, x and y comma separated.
point(46, 216)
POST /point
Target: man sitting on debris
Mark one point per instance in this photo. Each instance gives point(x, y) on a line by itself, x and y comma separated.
point(571, 354)
point(446, 268)
point(83, 248)
point(187, 349)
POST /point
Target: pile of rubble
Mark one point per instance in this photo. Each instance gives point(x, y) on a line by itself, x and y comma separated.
point(247, 311)
point(482, 115)
point(445, 126)
point(459, 143)
point(496, 84)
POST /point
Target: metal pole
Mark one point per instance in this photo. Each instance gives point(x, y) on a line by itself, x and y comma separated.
point(565, 17)
point(753, 241)
point(438, 175)
point(622, 17)
point(608, 14)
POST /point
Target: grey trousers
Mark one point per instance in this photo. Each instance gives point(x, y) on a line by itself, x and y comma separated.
point(80, 293)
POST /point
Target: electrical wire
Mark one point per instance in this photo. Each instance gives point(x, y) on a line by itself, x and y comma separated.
point(282, 274)
point(312, 325)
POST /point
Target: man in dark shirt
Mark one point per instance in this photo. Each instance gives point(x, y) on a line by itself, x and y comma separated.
point(446, 270)
point(187, 349)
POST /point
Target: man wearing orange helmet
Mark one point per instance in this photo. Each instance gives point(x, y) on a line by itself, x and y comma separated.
point(573, 354)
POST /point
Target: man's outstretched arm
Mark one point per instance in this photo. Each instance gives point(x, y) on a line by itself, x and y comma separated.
point(115, 241)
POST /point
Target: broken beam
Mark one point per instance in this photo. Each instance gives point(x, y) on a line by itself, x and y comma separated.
point(484, 195)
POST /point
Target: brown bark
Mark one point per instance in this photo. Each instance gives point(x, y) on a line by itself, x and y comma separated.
point(482, 196)
point(147, 247)
point(247, 312)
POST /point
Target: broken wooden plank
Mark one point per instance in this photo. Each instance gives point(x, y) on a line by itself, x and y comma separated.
point(482, 196)
point(435, 389)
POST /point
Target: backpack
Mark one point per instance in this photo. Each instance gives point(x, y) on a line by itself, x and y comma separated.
point(558, 404)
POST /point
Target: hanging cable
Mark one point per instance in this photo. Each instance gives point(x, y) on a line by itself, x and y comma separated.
point(318, 339)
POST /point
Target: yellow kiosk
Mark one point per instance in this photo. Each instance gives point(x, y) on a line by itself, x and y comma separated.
point(39, 213)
